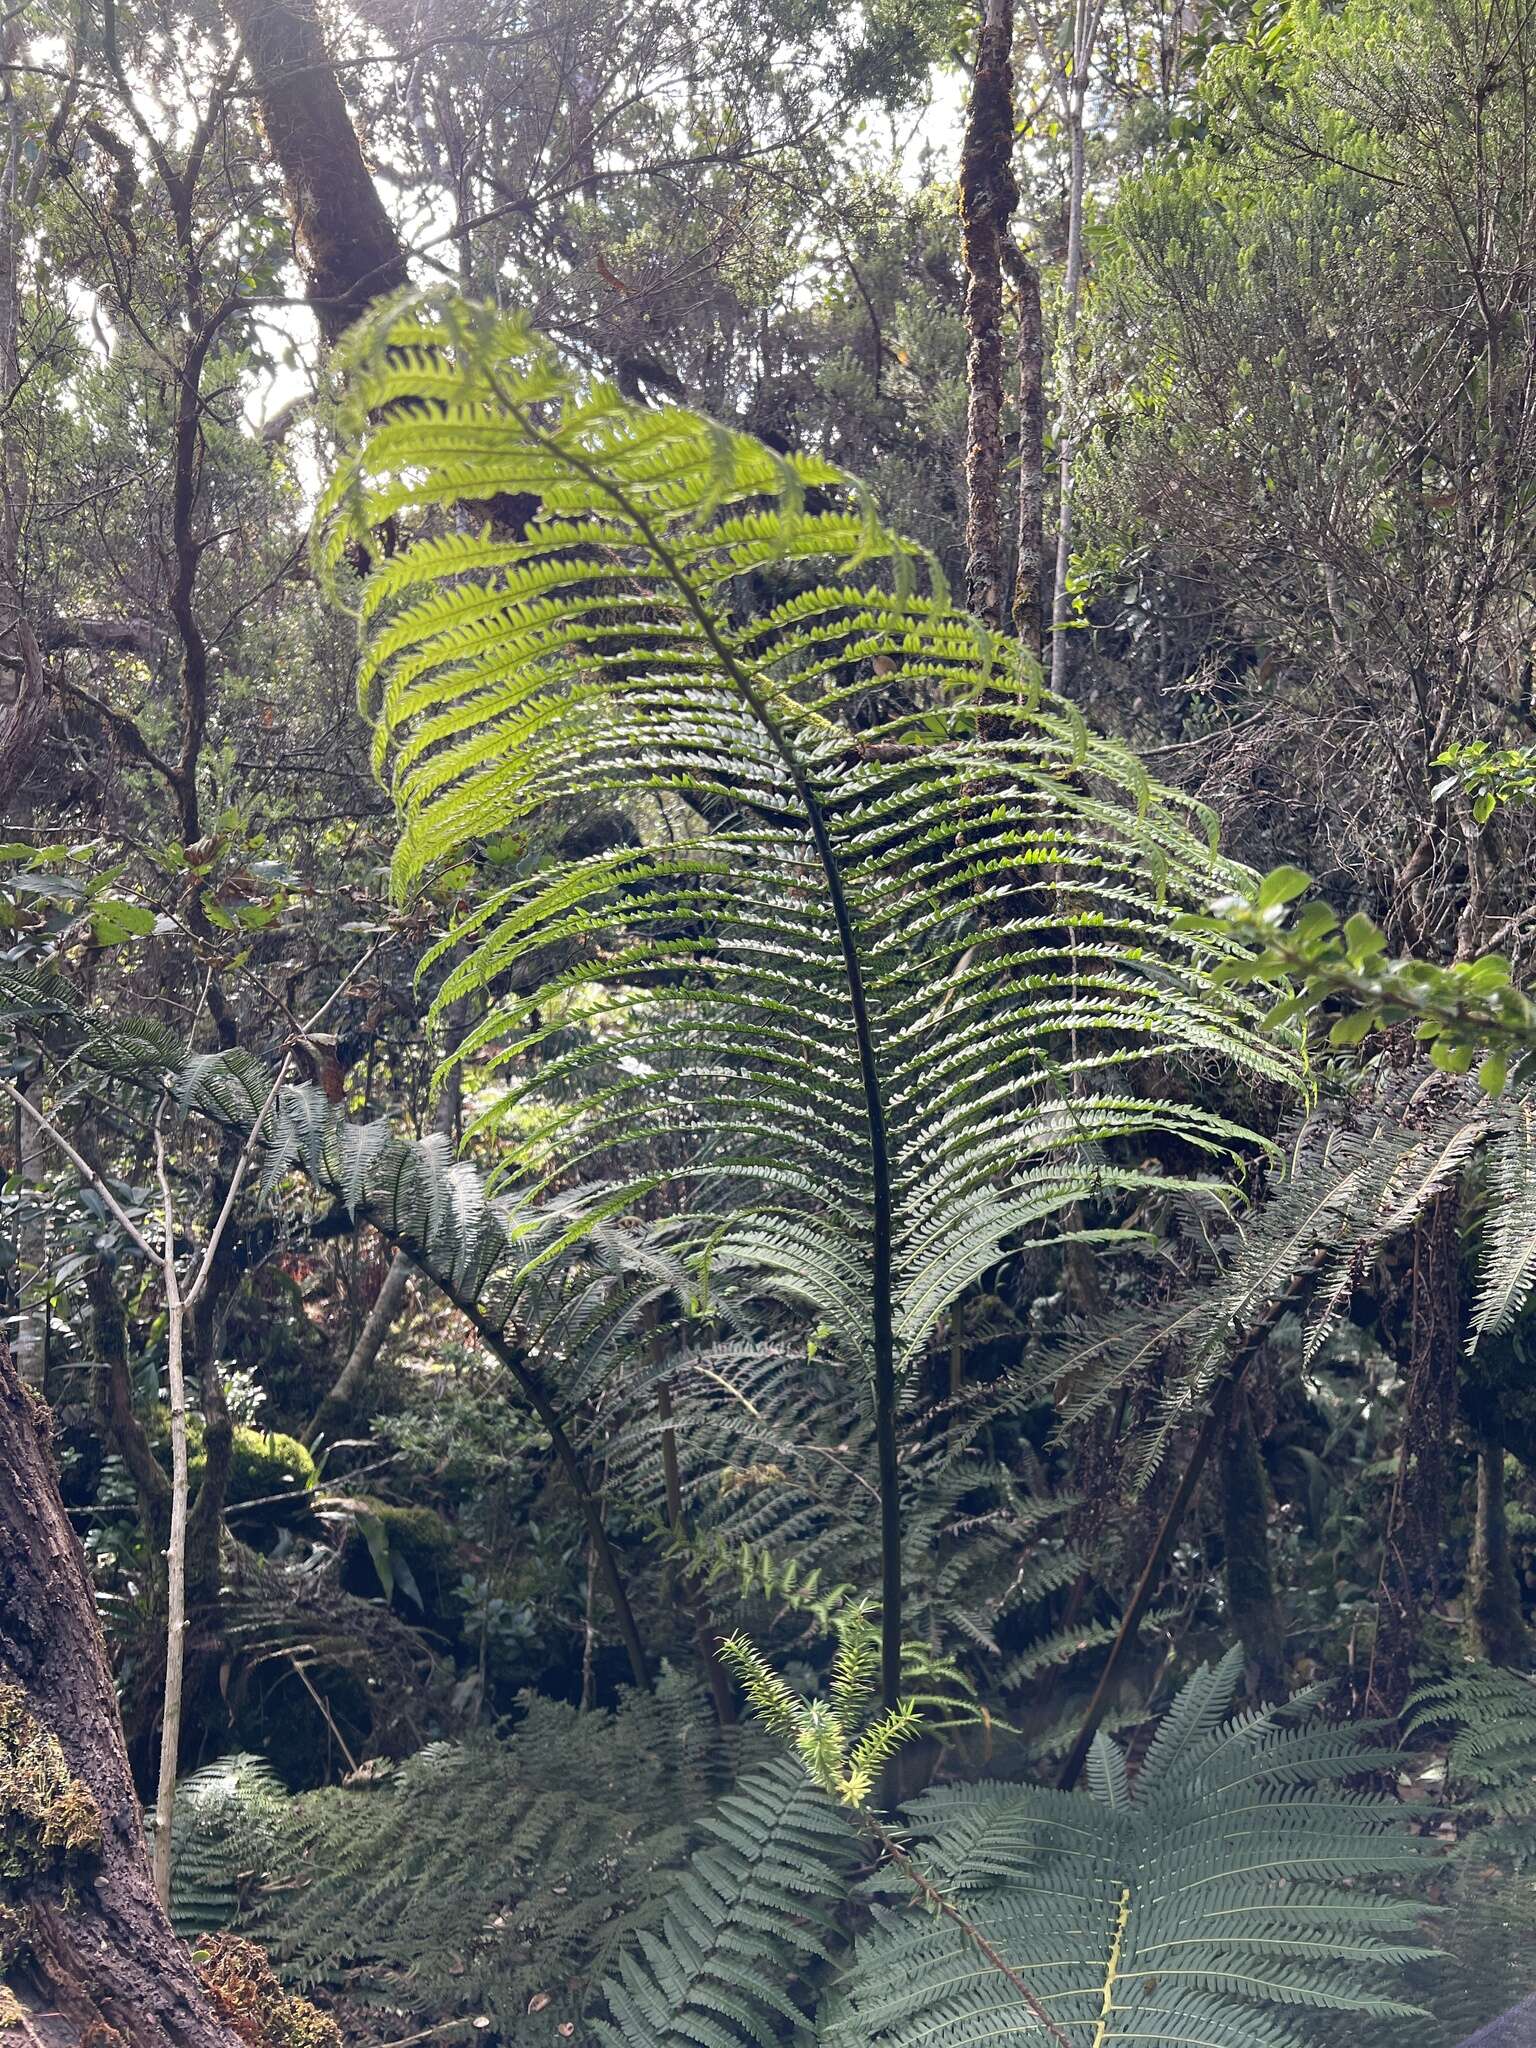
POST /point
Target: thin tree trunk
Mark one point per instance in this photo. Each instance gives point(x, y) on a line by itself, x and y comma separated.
point(32, 1253)
point(341, 1396)
point(988, 196)
point(694, 1603)
point(1072, 293)
point(1496, 1625)
point(102, 1950)
point(1029, 576)
point(1253, 1607)
point(1410, 1568)
point(176, 1562)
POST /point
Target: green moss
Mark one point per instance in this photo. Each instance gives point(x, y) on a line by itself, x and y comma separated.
point(244, 1991)
point(49, 1819)
point(264, 1464)
point(11, 2012)
point(416, 1537)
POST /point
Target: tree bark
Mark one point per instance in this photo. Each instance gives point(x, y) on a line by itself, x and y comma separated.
point(1410, 1568)
point(1253, 1608)
point(349, 248)
point(99, 1946)
point(1495, 1624)
point(1029, 575)
point(988, 196)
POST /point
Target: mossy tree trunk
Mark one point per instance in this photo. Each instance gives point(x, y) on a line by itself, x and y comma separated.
point(1495, 1624)
point(81, 1909)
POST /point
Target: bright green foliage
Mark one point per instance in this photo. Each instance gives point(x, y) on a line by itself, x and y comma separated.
point(1219, 1896)
point(1462, 1011)
point(1489, 775)
point(264, 1466)
point(898, 923)
point(838, 1741)
point(754, 1908)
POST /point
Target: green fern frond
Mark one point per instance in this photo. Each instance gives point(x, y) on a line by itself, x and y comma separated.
point(1220, 1896)
point(755, 1910)
point(906, 919)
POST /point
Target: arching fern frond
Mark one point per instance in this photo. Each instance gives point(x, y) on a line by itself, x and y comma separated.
point(898, 922)
point(1221, 1896)
point(753, 1910)
point(897, 926)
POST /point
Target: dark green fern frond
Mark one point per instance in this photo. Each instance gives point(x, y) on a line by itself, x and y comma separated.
point(478, 1876)
point(1491, 1717)
point(1507, 1262)
point(228, 1832)
point(1222, 1896)
point(753, 1912)
point(1358, 1175)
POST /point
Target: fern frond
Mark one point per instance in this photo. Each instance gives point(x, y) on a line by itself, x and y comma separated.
point(752, 1912)
point(905, 920)
point(1221, 1897)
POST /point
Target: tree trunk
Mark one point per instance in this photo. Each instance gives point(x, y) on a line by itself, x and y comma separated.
point(343, 1392)
point(1029, 576)
point(988, 196)
point(1495, 1624)
point(348, 246)
point(97, 1942)
point(1252, 1606)
point(32, 1251)
point(1415, 1522)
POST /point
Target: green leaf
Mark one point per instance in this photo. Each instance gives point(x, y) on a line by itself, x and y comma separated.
point(1352, 1029)
point(112, 922)
point(377, 1539)
point(1282, 885)
point(1493, 1073)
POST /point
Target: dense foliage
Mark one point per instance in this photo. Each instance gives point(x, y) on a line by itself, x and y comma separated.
point(769, 1183)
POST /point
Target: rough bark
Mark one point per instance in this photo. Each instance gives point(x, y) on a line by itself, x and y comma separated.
point(99, 1946)
point(1029, 574)
point(348, 246)
point(988, 196)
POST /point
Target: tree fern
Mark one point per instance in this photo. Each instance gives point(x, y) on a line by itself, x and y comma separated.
point(1358, 1173)
point(1222, 1896)
point(230, 1818)
point(898, 925)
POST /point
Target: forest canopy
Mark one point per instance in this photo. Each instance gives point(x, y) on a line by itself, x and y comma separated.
point(769, 1148)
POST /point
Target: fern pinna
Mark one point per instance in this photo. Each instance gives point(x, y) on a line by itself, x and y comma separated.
point(894, 926)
